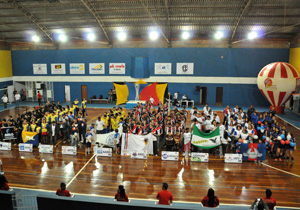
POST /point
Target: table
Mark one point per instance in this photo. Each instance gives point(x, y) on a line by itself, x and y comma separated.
point(187, 102)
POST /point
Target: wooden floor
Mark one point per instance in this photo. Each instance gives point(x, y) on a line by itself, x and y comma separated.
point(188, 181)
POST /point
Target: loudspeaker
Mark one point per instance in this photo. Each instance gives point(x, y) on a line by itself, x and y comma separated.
point(197, 88)
point(42, 86)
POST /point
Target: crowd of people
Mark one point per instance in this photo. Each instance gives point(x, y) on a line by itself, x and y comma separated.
point(165, 197)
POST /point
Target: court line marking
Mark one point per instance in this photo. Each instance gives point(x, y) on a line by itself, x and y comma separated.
point(105, 196)
point(296, 175)
point(80, 170)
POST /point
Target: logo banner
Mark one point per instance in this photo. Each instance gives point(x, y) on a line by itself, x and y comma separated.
point(116, 68)
point(139, 154)
point(30, 138)
point(252, 152)
point(185, 68)
point(136, 143)
point(58, 68)
point(163, 68)
point(39, 68)
point(206, 140)
point(68, 150)
point(8, 133)
point(97, 68)
point(43, 148)
point(166, 155)
point(199, 157)
point(5, 146)
point(25, 147)
point(107, 139)
point(233, 158)
point(104, 152)
point(77, 68)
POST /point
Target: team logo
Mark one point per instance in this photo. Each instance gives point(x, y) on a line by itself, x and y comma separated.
point(98, 68)
point(268, 83)
point(110, 140)
point(252, 153)
point(134, 154)
point(57, 66)
point(165, 156)
point(185, 68)
point(146, 141)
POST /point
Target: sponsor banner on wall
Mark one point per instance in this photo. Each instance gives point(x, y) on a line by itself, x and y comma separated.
point(165, 155)
point(39, 68)
point(68, 150)
point(97, 68)
point(162, 68)
point(185, 68)
point(233, 158)
point(58, 68)
point(116, 68)
point(43, 148)
point(104, 152)
point(77, 68)
point(139, 154)
point(25, 147)
point(199, 157)
point(5, 146)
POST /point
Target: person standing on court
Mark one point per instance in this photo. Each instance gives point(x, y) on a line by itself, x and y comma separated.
point(76, 103)
point(164, 196)
point(5, 100)
point(83, 107)
point(17, 99)
point(39, 96)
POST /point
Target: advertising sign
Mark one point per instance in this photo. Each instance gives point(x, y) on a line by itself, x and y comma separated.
point(25, 148)
point(68, 150)
point(139, 154)
point(97, 68)
point(165, 155)
point(43, 148)
point(58, 68)
point(116, 68)
point(162, 68)
point(104, 152)
point(77, 68)
point(233, 158)
point(199, 157)
point(5, 146)
point(39, 68)
point(185, 68)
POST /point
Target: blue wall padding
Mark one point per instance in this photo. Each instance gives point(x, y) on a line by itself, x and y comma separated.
point(140, 67)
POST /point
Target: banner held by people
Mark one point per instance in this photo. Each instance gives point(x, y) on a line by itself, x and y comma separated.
point(107, 139)
point(136, 143)
point(30, 138)
point(206, 140)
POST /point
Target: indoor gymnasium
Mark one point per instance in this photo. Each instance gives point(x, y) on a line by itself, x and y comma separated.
point(149, 104)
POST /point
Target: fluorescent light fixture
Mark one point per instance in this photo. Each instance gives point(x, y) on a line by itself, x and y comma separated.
point(153, 35)
point(185, 35)
point(219, 35)
point(122, 36)
point(35, 38)
point(91, 37)
point(62, 38)
point(252, 35)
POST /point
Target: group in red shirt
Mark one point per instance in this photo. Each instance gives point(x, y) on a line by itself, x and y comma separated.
point(121, 195)
point(62, 191)
point(210, 200)
point(3, 183)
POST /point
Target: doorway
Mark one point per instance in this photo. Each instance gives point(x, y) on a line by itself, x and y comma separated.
point(219, 96)
point(67, 93)
point(203, 95)
point(83, 92)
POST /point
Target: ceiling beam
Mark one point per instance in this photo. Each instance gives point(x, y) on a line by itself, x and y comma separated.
point(99, 20)
point(154, 21)
point(30, 16)
point(247, 3)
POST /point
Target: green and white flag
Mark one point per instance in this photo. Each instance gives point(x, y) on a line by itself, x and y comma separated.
point(206, 140)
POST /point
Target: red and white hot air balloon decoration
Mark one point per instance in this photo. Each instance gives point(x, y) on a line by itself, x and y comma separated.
point(277, 82)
